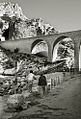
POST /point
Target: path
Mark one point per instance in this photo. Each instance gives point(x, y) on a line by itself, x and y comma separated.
point(64, 102)
point(1, 106)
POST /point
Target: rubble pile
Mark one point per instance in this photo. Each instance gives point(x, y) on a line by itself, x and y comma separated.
point(5, 61)
point(25, 63)
point(7, 86)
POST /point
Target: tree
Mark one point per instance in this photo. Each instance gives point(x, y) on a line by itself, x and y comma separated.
point(16, 50)
point(1, 25)
point(12, 21)
point(6, 34)
point(39, 31)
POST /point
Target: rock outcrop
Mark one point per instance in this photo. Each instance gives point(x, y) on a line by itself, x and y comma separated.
point(14, 25)
point(12, 17)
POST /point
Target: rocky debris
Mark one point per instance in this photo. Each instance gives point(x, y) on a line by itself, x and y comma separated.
point(5, 61)
point(51, 68)
point(25, 62)
point(15, 102)
point(19, 102)
point(8, 87)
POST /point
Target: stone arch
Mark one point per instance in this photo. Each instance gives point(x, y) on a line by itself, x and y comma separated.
point(35, 42)
point(38, 43)
point(58, 39)
point(57, 44)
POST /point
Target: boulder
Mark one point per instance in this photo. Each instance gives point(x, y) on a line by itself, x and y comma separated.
point(17, 102)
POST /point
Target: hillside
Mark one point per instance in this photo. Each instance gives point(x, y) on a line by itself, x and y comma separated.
point(17, 25)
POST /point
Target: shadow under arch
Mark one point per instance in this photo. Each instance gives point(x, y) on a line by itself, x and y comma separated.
point(35, 43)
point(58, 39)
point(56, 45)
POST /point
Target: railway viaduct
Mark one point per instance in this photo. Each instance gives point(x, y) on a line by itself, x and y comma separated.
point(27, 44)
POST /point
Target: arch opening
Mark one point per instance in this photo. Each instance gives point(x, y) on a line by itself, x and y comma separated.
point(63, 49)
point(40, 48)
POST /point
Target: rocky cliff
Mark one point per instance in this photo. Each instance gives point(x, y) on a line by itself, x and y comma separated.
point(13, 19)
point(14, 25)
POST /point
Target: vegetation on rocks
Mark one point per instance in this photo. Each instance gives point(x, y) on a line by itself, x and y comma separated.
point(14, 24)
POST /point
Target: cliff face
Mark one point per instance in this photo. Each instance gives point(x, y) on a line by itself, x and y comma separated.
point(11, 10)
point(13, 19)
point(14, 25)
point(34, 27)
